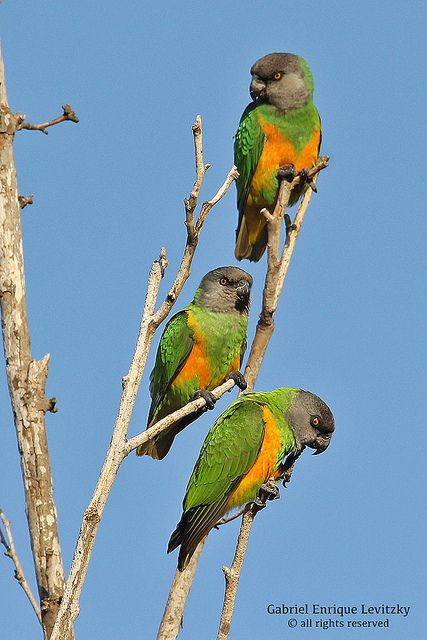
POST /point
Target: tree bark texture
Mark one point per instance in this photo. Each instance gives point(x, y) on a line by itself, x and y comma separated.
point(27, 380)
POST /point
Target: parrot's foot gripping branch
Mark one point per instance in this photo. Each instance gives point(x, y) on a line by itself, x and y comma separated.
point(238, 378)
point(207, 396)
point(266, 492)
point(287, 172)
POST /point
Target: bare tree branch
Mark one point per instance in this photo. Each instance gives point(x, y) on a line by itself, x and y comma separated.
point(68, 114)
point(120, 446)
point(27, 381)
point(174, 611)
point(25, 200)
point(172, 418)
point(9, 545)
point(275, 278)
point(276, 273)
point(277, 267)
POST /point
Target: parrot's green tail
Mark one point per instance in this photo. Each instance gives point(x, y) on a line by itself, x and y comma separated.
point(158, 447)
point(148, 449)
point(251, 246)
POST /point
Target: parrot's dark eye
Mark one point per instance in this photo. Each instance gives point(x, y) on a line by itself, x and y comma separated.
point(277, 75)
point(314, 421)
point(224, 282)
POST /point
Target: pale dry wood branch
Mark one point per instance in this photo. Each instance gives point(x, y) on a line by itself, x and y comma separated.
point(120, 446)
point(172, 418)
point(193, 229)
point(68, 114)
point(70, 607)
point(277, 269)
point(174, 611)
point(9, 545)
point(27, 381)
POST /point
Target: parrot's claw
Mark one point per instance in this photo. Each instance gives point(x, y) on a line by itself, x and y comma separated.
point(287, 172)
point(207, 396)
point(304, 178)
point(289, 225)
point(272, 492)
point(238, 378)
point(312, 185)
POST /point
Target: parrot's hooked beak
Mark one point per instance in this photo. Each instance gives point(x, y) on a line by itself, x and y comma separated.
point(257, 88)
point(322, 443)
point(243, 294)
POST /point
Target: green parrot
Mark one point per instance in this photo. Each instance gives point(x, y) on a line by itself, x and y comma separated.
point(258, 437)
point(201, 347)
point(279, 128)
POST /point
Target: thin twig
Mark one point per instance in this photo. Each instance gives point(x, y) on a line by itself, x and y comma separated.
point(120, 446)
point(193, 229)
point(277, 268)
point(9, 545)
point(68, 114)
point(172, 418)
point(25, 200)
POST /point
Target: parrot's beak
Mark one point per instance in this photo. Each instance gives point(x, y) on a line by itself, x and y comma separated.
point(243, 294)
point(322, 443)
point(257, 88)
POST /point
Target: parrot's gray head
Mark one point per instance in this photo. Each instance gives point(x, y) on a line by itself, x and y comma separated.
point(311, 420)
point(283, 80)
point(225, 289)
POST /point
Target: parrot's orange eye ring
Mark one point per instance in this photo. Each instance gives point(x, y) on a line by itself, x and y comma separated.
point(224, 282)
point(315, 421)
point(277, 75)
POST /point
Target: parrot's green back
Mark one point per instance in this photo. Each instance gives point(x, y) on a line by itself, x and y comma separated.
point(229, 470)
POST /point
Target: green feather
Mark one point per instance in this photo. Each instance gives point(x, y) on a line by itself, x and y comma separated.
point(174, 348)
point(248, 145)
point(230, 450)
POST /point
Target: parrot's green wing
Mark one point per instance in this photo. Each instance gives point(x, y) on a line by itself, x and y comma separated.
point(229, 451)
point(248, 146)
point(175, 346)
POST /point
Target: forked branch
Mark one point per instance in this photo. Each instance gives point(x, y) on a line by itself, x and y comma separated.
point(68, 114)
point(120, 446)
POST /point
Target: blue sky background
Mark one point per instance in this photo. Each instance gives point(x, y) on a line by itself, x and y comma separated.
point(350, 325)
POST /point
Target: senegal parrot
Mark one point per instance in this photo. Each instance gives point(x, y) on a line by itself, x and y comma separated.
point(201, 347)
point(258, 437)
point(280, 127)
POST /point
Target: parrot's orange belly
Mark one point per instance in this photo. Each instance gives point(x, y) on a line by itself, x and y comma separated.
point(265, 466)
point(278, 152)
point(197, 364)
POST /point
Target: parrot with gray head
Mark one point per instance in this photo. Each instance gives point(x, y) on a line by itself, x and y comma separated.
point(201, 347)
point(258, 437)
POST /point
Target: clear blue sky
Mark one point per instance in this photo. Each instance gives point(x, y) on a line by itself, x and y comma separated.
point(108, 194)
